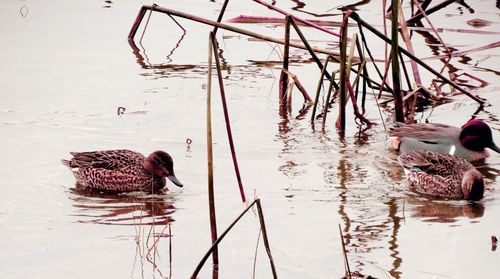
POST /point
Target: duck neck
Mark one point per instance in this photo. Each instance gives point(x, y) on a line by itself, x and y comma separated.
point(473, 185)
point(148, 166)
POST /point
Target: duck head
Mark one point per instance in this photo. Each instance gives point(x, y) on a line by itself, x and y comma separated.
point(473, 185)
point(159, 163)
point(476, 135)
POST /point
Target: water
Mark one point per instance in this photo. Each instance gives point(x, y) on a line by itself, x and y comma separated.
point(67, 68)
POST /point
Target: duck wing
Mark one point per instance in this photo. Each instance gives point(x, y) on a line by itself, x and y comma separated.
point(429, 133)
point(111, 180)
point(435, 185)
point(433, 163)
point(108, 159)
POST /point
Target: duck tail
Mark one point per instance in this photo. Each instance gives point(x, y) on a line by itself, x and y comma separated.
point(396, 143)
point(66, 163)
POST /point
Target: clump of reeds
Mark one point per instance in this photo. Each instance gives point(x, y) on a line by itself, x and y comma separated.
point(349, 80)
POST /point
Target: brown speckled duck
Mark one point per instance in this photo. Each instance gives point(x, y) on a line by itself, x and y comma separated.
point(122, 170)
point(442, 175)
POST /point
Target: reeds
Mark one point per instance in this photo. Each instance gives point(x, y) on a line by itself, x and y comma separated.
point(396, 60)
point(215, 244)
point(348, 75)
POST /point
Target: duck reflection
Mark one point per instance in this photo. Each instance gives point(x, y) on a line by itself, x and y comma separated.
point(444, 211)
point(122, 209)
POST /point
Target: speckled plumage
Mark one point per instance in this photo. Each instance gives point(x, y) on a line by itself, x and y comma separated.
point(442, 175)
point(122, 170)
point(468, 142)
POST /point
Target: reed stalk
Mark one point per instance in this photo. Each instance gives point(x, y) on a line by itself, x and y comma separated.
point(421, 9)
point(226, 117)
point(303, 21)
point(228, 27)
point(296, 82)
point(344, 251)
point(343, 74)
point(146, 25)
point(327, 101)
point(211, 196)
point(265, 238)
point(307, 45)
point(396, 83)
point(284, 77)
point(362, 70)
point(318, 88)
point(365, 44)
point(356, 17)
point(228, 229)
point(221, 14)
point(429, 11)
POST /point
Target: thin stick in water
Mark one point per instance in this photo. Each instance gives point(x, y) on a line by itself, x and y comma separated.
point(226, 117)
point(211, 197)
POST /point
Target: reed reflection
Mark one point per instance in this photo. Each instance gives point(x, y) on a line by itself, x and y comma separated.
point(148, 256)
point(364, 227)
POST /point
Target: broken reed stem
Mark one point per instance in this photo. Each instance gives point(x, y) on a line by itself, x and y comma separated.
point(255, 255)
point(356, 17)
point(289, 95)
point(157, 8)
point(264, 236)
point(318, 88)
point(396, 83)
point(362, 69)
point(307, 45)
point(343, 75)
point(327, 101)
point(221, 14)
point(409, 46)
point(146, 25)
point(223, 234)
point(211, 196)
point(284, 77)
point(431, 10)
point(365, 44)
point(346, 261)
point(303, 21)
point(226, 117)
point(307, 98)
point(170, 250)
point(355, 105)
point(411, 103)
point(432, 27)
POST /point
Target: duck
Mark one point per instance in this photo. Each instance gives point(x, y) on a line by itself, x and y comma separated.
point(122, 170)
point(468, 142)
point(442, 175)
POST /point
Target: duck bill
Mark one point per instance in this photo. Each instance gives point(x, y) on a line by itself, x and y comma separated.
point(175, 180)
point(495, 148)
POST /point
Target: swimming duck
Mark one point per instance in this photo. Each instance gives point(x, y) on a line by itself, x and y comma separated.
point(468, 142)
point(442, 175)
point(122, 170)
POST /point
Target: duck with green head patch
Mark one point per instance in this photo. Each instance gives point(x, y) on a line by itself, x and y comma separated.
point(468, 142)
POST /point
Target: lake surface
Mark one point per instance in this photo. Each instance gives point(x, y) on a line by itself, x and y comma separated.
point(67, 67)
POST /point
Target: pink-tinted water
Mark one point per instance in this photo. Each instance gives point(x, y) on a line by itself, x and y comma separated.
point(66, 67)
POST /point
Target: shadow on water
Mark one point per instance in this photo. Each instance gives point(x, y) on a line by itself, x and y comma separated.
point(122, 209)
